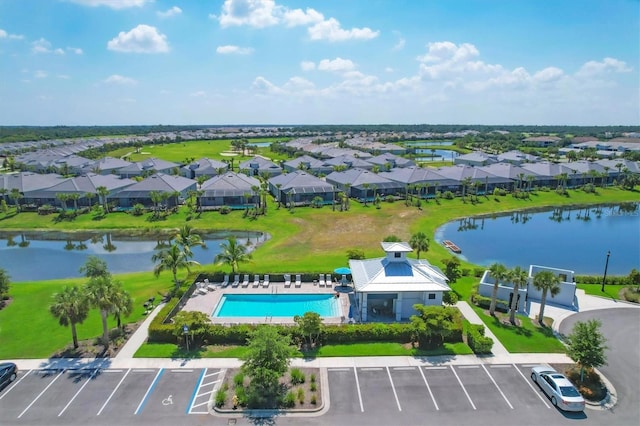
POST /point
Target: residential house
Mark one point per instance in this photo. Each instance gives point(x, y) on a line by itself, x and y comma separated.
point(309, 164)
point(389, 161)
point(259, 166)
point(27, 183)
point(204, 167)
point(349, 162)
point(105, 166)
point(235, 190)
point(422, 181)
point(363, 184)
point(301, 188)
point(475, 158)
point(177, 188)
point(148, 167)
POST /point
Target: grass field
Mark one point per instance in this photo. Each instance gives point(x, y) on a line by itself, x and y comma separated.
point(302, 240)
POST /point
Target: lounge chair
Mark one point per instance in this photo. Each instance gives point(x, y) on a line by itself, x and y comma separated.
point(201, 288)
point(265, 283)
point(287, 280)
point(245, 281)
point(225, 281)
point(321, 281)
point(298, 281)
point(236, 281)
point(256, 281)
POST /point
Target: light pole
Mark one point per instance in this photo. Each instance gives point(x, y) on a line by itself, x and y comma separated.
point(606, 265)
point(185, 331)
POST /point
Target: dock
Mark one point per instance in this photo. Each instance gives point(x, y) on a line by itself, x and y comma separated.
point(451, 246)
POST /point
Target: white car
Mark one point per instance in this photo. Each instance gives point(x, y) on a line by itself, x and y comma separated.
point(558, 388)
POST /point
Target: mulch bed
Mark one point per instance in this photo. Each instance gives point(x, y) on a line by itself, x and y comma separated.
point(592, 389)
point(286, 382)
point(91, 348)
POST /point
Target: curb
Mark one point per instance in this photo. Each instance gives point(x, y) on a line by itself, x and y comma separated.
point(609, 401)
point(267, 413)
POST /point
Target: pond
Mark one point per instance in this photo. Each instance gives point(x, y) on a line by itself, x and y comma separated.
point(569, 238)
point(435, 154)
point(429, 143)
point(260, 144)
point(35, 256)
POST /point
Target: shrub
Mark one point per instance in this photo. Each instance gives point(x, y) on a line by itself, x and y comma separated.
point(225, 210)
point(476, 339)
point(314, 400)
point(238, 380)
point(312, 378)
point(221, 397)
point(485, 303)
point(313, 387)
point(448, 195)
point(289, 400)
point(450, 298)
point(477, 272)
point(137, 210)
point(297, 376)
point(301, 395)
point(499, 192)
point(355, 254)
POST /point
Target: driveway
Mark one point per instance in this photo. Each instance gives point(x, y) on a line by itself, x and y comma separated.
point(621, 329)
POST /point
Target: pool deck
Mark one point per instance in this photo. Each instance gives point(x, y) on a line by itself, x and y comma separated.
point(207, 302)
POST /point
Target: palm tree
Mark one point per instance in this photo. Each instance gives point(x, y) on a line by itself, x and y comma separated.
point(70, 306)
point(16, 195)
point(171, 259)
point(546, 281)
point(123, 306)
point(419, 242)
point(232, 254)
point(63, 197)
point(102, 294)
point(103, 192)
point(499, 272)
point(519, 278)
point(186, 238)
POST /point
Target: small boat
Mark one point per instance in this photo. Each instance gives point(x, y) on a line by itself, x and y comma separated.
point(451, 246)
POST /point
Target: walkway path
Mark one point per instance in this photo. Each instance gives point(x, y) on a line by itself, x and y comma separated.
point(473, 318)
point(139, 336)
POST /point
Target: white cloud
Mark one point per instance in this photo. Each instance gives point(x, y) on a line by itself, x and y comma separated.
point(336, 65)
point(113, 4)
point(198, 94)
point(175, 10)
point(120, 79)
point(298, 17)
point(447, 51)
point(388, 69)
point(548, 75)
point(40, 74)
point(4, 34)
point(75, 50)
point(331, 30)
point(233, 50)
point(255, 13)
point(400, 43)
point(63, 76)
point(608, 65)
point(141, 39)
point(297, 84)
point(307, 65)
point(42, 45)
point(263, 86)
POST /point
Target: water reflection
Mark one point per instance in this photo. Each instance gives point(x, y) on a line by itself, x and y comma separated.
point(34, 255)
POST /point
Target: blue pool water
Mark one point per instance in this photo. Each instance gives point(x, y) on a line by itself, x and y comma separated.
point(276, 305)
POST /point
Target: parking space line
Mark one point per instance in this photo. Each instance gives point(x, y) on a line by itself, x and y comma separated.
point(338, 369)
point(195, 391)
point(497, 387)
point(205, 393)
point(144, 370)
point(529, 365)
point(113, 392)
point(181, 370)
point(213, 374)
point(404, 368)
point(41, 393)
point(435, 368)
point(394, 389)
point(112, 371)
point(14, 385)
point(198, 405)
point(358, 387)
point(500, 366)
point(429, 389)
point(468, 366)
point(463, 388)
point(210, 383)
point(86, 382)
point(371, 369)
point(146, 395)
point(531, 386)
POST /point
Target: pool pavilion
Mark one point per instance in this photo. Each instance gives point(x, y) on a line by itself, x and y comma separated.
point(386, 288)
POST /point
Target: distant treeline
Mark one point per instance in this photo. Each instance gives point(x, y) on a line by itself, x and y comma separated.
point(36, 133)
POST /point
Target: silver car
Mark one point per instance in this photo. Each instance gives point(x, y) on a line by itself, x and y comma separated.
point(558, 388)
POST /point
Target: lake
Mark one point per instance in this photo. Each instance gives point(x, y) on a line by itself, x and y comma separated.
point(568, 238)
point(35, 256)
point(438, 155)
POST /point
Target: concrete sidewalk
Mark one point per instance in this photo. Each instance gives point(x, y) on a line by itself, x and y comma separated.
point(473, 318)
point(139, 336)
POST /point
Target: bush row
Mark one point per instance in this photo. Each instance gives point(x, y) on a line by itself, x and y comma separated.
point(477, 341)
point(595, 279)
point(485, 303)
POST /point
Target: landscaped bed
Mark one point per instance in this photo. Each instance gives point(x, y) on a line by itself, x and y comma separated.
point(591, 388)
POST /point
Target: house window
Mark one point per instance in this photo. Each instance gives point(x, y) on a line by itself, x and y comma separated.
point(432, 296)
point(396, 255)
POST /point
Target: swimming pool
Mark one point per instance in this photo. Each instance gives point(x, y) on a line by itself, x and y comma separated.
point(276, 305)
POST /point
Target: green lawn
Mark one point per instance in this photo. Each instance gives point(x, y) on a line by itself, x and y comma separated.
point(166, 350)
point(303, 240)
point(610, 291)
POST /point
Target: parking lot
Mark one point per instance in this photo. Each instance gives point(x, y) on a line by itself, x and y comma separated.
point(429, 394)
point(108, 396)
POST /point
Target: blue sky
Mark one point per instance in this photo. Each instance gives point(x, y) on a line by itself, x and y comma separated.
point(101, 62)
